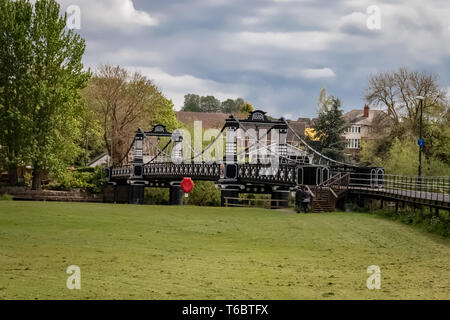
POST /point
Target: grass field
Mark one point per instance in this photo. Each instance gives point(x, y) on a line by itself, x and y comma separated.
point(144, 252)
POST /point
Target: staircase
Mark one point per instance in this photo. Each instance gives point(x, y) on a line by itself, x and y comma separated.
point(326, 195)
point(323, 201)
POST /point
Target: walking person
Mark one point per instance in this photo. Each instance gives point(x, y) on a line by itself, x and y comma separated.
point(300, 196)
point(306, 201)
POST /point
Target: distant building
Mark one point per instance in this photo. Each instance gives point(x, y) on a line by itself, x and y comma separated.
point(102, 160)
point(209, 120)
point(360, 128)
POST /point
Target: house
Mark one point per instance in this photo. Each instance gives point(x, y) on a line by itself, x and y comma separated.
point(209, 120)
point(361, 124)
point(102, 160)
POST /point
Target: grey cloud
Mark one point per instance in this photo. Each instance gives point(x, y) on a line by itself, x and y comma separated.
point(203, 39)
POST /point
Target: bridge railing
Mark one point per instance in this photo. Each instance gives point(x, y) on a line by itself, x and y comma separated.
point(426, 188)
point(248, 202)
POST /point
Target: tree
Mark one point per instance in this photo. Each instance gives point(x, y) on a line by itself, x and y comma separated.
point(165, 115)
point(124, 102)
point(232, 106)
point(396, 93)
point(330, 127)
point(45, 101)
point(402, 159)
point(196, 103)
point(324, 101)
point(91, 140)
point(247, 108)
point(209, 104)
point(192, 103)
point(16, 56)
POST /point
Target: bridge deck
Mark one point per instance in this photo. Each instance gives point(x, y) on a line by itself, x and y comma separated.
point(416, 196)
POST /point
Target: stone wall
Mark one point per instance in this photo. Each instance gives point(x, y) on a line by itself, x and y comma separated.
point(25, 194)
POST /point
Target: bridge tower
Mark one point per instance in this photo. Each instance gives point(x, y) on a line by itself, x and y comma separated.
point(280, 195)
point(229, 182)
point(229, 187)
point(137, 182)
point(175, 192)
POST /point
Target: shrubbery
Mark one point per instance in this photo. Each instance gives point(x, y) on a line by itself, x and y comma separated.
point(420, 217)
point(205, 194)
point(157, 196)
point(91, 180)
point(6, 197)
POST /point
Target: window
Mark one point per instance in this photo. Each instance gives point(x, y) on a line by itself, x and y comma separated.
point(354, 129)
point(353, 143)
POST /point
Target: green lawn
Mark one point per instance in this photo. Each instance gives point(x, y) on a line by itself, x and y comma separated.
point(145, 252)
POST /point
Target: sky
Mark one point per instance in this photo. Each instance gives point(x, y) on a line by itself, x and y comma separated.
point(276, 54)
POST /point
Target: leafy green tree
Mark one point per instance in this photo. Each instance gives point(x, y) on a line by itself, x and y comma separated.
point(43, 99)
point(16, 56)
point(91, 140)
point(403, 159)
point(232, 106)
point(247, 108)
point(56, 101)
point(330, 127)
point(165, 114)
point(196, 103)
point(209, 104)
point(192, 103)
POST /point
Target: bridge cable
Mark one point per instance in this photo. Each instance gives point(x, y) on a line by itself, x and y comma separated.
point(196, 155)
point(315, 151)
point(126, 154)
point(265, 147)
point(160, 152)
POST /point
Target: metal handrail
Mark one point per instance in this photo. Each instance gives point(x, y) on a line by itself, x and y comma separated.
point(425, 188)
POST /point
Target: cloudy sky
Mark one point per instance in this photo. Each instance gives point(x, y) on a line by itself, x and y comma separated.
point(276, 54)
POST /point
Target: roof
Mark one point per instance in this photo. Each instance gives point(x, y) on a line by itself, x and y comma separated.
point(209, 120)
point(299, 127)
point(102, 157)
point(357, 116)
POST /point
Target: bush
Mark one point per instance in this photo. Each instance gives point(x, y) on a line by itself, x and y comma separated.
point(157, 196)
point(205, 194)
point(6, 197)
point(91, 180)
point(399, 160)
point(420, 217)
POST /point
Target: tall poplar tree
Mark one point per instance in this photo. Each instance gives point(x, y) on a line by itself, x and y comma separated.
point(43, 104)
point(15, 60)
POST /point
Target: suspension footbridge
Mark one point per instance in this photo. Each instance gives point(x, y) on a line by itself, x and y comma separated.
point(255, 156)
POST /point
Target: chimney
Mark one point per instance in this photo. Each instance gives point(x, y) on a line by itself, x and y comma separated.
point(366, 111)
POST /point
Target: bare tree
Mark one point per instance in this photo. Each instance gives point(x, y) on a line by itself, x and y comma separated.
point(124, 102)
point(396, 92)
